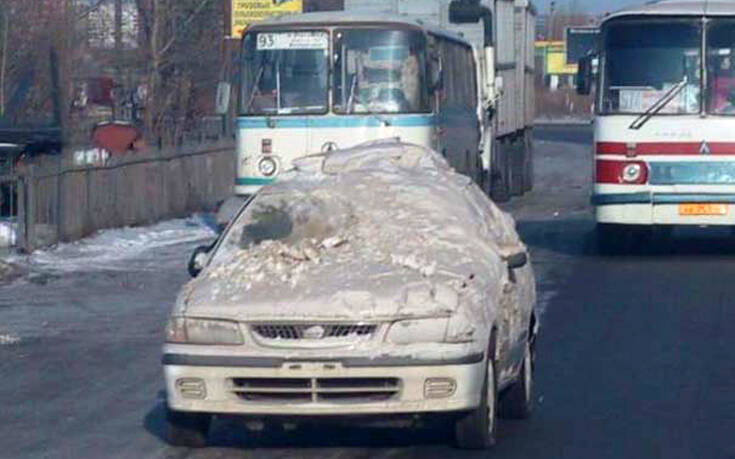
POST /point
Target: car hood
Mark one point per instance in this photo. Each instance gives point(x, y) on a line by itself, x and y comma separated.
point(353, 291)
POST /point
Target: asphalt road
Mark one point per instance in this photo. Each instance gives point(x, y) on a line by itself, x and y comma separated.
point(635, 356)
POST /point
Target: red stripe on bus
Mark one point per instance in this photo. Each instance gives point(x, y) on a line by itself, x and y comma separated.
point(664, 148)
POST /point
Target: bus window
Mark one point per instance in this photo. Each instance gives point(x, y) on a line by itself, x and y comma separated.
point(379, 71)
point(285, 73)
point(721, 67)
point(646, 59)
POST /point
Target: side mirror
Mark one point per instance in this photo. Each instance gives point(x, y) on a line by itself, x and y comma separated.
point(517, 260)
point(585, 75)
point(198, 260)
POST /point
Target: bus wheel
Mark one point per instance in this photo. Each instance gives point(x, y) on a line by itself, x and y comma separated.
point(612, 239)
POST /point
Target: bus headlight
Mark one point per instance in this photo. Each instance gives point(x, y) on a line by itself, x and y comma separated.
point(632, 173)
point(268, 166)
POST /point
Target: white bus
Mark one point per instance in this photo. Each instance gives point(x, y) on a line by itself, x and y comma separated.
point(317, 82)
point(664, 136)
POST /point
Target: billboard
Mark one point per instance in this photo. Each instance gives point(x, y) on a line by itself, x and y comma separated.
point(246, 12)
point(580, 42)
point(555, 58)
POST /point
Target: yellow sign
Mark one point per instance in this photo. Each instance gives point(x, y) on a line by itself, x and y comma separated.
point(246, 12)
point(555, 58)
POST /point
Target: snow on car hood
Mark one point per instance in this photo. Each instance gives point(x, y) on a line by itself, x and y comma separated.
point(400, 235)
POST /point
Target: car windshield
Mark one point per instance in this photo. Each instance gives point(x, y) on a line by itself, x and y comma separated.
point(646, 60)
point(720, 67)
point(379, 71)
point(285, 73)
point(286, 217)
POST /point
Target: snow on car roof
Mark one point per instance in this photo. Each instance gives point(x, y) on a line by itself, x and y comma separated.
point(389, 217)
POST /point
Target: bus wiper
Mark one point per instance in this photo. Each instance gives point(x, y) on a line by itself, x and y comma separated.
point(254, 86)
point(659, 105)
point(354, 98)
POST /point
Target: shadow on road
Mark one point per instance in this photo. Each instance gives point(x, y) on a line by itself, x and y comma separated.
point(576, 236)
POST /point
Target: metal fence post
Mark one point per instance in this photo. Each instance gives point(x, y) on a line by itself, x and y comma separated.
point(30, 220)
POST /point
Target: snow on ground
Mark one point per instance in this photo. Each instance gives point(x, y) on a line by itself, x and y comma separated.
point(7, 339)
point(8, 233)
point(114, 249)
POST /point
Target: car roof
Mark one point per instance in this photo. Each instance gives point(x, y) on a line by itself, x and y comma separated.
point(322, 19)
point(678, 8)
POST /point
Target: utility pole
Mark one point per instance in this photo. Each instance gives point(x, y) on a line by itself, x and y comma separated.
point(551, 33)
point(118, 57)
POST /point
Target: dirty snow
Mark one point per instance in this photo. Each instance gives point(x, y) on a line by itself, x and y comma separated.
point(385, 230)
point(8, 233)
point(114, 249)
point(7, 339)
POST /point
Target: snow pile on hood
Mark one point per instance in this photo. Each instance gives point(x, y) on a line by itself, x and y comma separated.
point(381, 229)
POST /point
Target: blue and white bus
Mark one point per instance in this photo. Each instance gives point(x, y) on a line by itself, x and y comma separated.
point(317, 82)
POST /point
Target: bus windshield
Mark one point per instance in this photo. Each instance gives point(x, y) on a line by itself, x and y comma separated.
point(285, 73)
point(379, 71)
point(721, 67)
point(646, 61)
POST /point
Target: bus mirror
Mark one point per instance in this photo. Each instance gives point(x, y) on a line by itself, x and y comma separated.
point(465, 11)
point(585, 75)
point(222, 102)
point(436, 74)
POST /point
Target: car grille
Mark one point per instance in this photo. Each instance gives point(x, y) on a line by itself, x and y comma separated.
point(312, 331)
point(314, 390)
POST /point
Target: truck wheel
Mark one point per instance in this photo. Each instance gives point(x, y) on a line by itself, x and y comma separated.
point(517, 402)
point(187, 429)
point(517, 168)
point(477, 429)
point(528, 162)
point(612, 239)
point(500, 179)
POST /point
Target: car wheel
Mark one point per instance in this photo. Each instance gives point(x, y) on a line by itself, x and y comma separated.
point(187, 429)
point(517, 402)
point(477, 429)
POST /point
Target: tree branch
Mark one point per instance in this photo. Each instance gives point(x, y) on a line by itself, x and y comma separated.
point(185, 24)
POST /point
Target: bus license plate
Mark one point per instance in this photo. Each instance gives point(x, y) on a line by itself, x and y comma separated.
point(702, 209)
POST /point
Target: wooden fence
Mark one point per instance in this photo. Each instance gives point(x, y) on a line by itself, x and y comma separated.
point(60, 202)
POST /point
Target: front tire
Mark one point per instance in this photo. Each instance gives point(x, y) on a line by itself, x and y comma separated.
point(187, 429)
point(477, 429)
point(517, 403)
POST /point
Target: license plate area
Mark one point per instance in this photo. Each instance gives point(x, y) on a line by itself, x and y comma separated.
point(692, 209)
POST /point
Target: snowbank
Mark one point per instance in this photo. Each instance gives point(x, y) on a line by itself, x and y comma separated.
point(112, 249)
point(8, 233)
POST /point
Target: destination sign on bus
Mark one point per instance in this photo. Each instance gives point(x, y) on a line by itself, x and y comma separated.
point(292, 40)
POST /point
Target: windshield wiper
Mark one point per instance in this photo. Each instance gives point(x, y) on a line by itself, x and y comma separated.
point(354, 98)
point(659, 105)
point(254, 86)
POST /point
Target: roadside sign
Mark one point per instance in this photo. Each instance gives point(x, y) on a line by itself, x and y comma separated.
point(580, 42)
point(246, 12)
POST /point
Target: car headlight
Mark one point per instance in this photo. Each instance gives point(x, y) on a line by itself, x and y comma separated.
point(183, 330)
point(418, 331)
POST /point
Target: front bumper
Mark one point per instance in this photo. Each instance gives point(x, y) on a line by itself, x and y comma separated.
point(316, 388)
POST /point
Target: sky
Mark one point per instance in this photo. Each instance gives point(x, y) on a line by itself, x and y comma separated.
point(588, 6)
